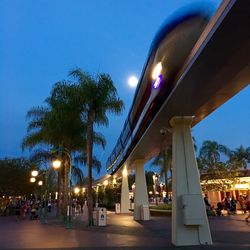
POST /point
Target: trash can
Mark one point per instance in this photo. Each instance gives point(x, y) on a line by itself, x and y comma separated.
point(117, 208)
point(102, 216)
point(145, 215)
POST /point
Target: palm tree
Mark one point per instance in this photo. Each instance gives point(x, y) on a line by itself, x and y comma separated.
point(164, 160)
point(210, 154)
point(57, 125)
point(240, 157)
point(98, 97)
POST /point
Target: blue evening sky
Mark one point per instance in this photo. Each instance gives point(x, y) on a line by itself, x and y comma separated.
point(40, 41)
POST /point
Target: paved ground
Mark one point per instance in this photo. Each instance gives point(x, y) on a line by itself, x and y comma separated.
point(122, 232)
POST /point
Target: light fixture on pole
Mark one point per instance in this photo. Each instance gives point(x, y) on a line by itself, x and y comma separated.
point(56, 164)
point(32, 179)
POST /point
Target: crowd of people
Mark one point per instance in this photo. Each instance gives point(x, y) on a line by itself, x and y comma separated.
point(24, 208)
point(229, 203)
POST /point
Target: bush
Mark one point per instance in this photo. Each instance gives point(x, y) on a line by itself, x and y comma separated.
point(162, 207)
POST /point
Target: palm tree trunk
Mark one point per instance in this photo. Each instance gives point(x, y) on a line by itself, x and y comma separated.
point(65, 190)
point(89, 165)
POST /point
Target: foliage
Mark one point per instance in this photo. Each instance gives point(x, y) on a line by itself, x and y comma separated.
point(60, 125)
point(162, 207)
point(15, 177)
point(210, 154)
point(239, 158)
point(218, 180)
point(164, 160)
point(109, 195)
point(131, 181)
point(149, 180)
point(216, 175)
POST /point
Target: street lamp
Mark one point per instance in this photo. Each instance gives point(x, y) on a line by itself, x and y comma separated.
point(32, 179)
point(56, 164)
point(76, 190)
point(35, 173)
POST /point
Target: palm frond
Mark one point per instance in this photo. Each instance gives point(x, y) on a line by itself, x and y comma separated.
point(33, 139)
point(99, 139)
point(41, 155)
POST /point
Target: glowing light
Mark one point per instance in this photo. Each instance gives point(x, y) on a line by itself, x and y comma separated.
point(157, 71)
point(241, 186)
point(157, 82)
point(150, 192)
point(133, 81)
point(83, 190)
point(76, 190)
point(125, 171)
point(34, 173)
point(56, 164)
point(40, 183)
point(32, 179)
point(105, 183)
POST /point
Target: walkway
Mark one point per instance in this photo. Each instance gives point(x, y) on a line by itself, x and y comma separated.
point(122, 232)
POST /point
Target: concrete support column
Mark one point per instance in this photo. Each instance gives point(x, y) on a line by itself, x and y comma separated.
point(125, 202)
point(141, 193)
point(189, 220)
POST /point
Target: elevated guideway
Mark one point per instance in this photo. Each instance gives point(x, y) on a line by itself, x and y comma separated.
point(209, 66)
point(217, 68)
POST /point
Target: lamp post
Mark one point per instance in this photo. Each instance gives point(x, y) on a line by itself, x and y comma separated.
point(43, 209)
point(56, 164)
point(34, 174)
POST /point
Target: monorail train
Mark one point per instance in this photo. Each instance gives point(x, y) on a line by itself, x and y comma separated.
point(168, 54)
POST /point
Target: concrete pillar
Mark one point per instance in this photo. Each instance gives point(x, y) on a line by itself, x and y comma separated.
point(125, 202)
point(141, 193)
point(189, 220)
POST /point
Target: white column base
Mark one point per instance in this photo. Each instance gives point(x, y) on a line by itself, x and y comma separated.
point(141, 193)
point(125, 202)
point(189, 219)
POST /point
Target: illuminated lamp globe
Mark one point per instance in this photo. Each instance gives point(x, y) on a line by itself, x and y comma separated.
point(76, 190)
point(40, 183)
point(56, 164)
point(34, 173)
point(32, 179)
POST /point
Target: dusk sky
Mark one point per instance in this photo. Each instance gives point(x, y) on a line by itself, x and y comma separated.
point(40, 41)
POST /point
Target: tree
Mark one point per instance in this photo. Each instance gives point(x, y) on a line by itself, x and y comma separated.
point(98, 97)
point(239, 158)
point(57, 125)
point(216, 174)
point(15, 177)
point(210, 154)
point(164, 160)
